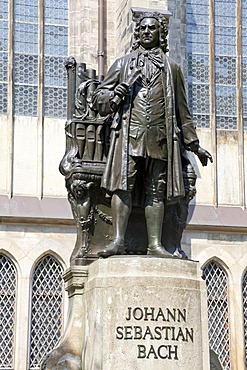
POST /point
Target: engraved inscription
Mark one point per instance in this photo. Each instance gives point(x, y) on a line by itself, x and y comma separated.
point(170, 331)
point(152, 314)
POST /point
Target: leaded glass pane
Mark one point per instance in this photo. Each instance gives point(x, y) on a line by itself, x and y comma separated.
point(244, 62)
point(218, 313)
point(25, 57)
point(8, 281)
point(55, 11)
point(199, 72)
point(244, 100)
point(26, 69)
point(52, 66)
point(200, 94)
point(55, 53)
point(244, 67)
point(198, 38)
point(26, 11)
point(3, 67)
point(244, 290)
point(3, 56)
point(225, 67)
point(46, 311)
point(198, 61)
point(225, 40)
point(227, 10)
point(225, 64)
point(55, 101)
point(26, 38)
point(244, 41)
point(26, 100)
point(56, 40)
point(226, 107)
point(3, 97)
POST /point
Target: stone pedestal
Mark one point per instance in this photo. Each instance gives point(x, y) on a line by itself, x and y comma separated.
point(131, 313)
point(67, 354)
point(145, 313)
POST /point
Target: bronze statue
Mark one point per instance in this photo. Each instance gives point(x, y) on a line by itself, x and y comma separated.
point(151, 129)
point(126, 143)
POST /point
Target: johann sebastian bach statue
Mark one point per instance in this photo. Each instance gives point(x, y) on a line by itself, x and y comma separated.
point(126, 142)
point(151, 130)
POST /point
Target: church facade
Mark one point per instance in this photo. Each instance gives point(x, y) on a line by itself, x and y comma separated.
point(37, 232)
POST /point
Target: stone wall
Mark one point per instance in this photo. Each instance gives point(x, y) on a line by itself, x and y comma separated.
point(118, 28)
point(39, 161)
point(25, 245)
point(177, 34)
point(35, 164)
point(230, 251)
point(29, 172)
point(83, 32)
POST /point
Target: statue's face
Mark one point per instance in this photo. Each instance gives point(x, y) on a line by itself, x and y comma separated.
point(149, 33)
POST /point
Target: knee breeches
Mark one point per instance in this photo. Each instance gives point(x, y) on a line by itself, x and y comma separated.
point(154, 174)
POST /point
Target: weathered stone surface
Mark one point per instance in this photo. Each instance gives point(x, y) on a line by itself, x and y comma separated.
point(67, 354)
point(145, 313)
point(134, 313)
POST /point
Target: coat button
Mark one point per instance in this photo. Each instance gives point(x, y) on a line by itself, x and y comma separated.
point(124, 116)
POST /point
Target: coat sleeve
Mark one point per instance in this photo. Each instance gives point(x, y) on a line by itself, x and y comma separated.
point(184, 120)
point(105, 92)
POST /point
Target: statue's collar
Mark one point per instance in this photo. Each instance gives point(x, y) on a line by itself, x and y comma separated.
point(155, 50)
point(154, 55)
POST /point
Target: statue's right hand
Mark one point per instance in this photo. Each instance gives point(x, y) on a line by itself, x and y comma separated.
point(119, 93)
point(122, 89)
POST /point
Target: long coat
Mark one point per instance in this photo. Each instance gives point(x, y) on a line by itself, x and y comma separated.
point(178, 123)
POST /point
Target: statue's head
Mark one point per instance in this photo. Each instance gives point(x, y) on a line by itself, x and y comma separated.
point(149, 33)
point(151, 28)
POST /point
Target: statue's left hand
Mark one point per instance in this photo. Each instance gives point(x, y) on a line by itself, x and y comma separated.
point(204, 156)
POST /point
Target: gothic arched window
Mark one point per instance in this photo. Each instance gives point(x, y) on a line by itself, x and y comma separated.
point(46, 309)
point(244, 290)
point(8, 283)
point(218, 315)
